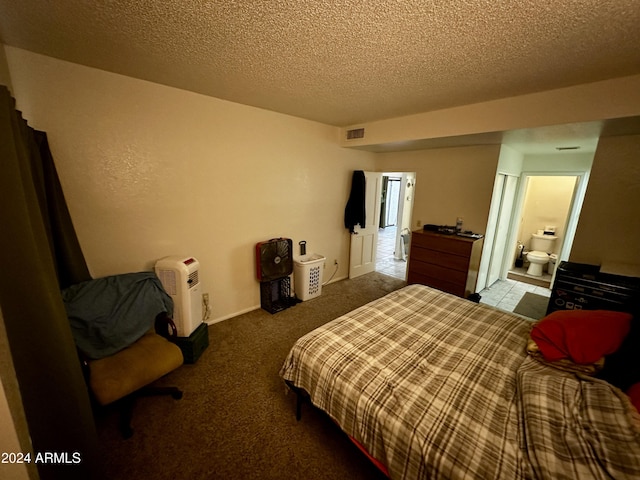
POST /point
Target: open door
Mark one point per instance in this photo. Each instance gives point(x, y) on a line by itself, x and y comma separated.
point(364, 240)
point(498, 252)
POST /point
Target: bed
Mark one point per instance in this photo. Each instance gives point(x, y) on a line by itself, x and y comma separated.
point(434, 386)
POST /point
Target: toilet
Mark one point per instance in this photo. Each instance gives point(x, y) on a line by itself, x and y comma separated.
point(538, 256)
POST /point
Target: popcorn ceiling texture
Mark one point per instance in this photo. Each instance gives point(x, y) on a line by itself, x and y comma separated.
point(340, 62)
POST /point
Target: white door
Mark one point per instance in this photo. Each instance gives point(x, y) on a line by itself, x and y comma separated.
point(405, 208)
point(364, 240)
point(502, 228)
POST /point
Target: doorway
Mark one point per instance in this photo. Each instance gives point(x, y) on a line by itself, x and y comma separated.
point(546, 206)
point(389, 200)
point(396, 205)
point(540, 200)
point(546, 199)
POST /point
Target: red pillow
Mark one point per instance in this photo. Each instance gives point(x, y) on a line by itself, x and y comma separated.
point(583, 336)
point(634, 393)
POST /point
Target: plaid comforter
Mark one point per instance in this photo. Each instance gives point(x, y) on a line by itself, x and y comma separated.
point(439, 387)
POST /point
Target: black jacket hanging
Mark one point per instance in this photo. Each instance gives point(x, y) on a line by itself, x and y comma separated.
point(354, 212)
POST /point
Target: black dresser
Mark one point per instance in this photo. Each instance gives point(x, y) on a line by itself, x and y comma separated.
point(581, 286)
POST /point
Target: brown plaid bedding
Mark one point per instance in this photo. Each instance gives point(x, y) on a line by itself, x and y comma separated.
point(432, 386)
point(575, 426)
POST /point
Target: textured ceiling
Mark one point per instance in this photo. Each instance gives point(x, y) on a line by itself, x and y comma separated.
point(340, 62)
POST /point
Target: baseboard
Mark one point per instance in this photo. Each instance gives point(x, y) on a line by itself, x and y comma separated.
point(232, 315)
point(256, 307)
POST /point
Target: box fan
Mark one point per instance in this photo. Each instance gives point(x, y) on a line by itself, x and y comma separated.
point(274, 264)
point(274, 259)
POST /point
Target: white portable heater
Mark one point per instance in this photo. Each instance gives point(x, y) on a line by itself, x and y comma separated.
point(179, 277)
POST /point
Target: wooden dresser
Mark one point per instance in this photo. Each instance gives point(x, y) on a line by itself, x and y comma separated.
point(447, 262)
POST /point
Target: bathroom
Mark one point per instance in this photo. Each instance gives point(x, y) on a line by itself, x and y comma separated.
point(544, 218)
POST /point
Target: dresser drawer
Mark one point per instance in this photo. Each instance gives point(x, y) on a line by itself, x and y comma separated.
point(435, 282)
point(438, 271)
point(434, 257)
point(442, 243)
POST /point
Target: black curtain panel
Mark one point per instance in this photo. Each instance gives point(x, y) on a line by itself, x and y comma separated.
point(40, 254)
point(355, 212)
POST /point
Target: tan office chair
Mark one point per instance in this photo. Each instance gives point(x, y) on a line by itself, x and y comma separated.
point(127, 374)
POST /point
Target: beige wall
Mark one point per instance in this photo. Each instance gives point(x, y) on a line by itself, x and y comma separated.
point(14, 432)
point(5, 77)
point(9, 443)
point(618, 97)
point(150, 171)
point(450, 183)
point(608, 228)
point(546, 203)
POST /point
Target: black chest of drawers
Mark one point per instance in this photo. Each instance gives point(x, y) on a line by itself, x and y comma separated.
point(581, 286)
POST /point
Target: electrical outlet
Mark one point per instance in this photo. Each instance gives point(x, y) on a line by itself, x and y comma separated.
point(335, 261)
point(419, 223)
point(206, 307)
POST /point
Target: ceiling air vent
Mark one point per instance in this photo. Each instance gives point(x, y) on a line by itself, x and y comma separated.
point(355, 133)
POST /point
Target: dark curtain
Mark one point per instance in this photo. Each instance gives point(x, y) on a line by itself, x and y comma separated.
point(39, 254)
point(68, 259)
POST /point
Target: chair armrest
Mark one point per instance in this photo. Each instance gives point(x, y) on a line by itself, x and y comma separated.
point(165, 327)
point(84, 365)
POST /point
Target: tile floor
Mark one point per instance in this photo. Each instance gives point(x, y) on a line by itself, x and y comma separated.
point(505, 294)
point(385, 261)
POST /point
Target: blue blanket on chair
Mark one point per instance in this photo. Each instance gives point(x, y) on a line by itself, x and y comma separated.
point(110, 313)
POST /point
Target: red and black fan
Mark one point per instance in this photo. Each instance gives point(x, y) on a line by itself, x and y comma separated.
point(274, 259)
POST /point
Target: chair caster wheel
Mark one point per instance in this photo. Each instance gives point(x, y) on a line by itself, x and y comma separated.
point(177, 395)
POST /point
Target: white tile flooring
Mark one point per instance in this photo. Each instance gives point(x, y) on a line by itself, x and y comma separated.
point(503, 294)
point(385, 261)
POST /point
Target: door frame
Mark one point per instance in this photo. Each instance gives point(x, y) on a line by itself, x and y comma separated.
point(504, 220)
point(511, 246)
point(575, 206)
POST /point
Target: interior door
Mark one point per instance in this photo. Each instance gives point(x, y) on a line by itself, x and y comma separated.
point(364, 240)
point(502, 228)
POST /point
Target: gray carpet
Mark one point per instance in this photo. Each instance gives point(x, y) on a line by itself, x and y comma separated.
point(532, 305)
point(236, 420)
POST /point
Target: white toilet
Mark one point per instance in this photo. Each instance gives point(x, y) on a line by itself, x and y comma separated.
point(538, 256)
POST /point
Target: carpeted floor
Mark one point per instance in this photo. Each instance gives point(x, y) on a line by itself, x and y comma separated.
point(236, 420)
point(532, 305)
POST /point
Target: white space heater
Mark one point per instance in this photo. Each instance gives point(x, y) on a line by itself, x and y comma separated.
point(179, 277)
